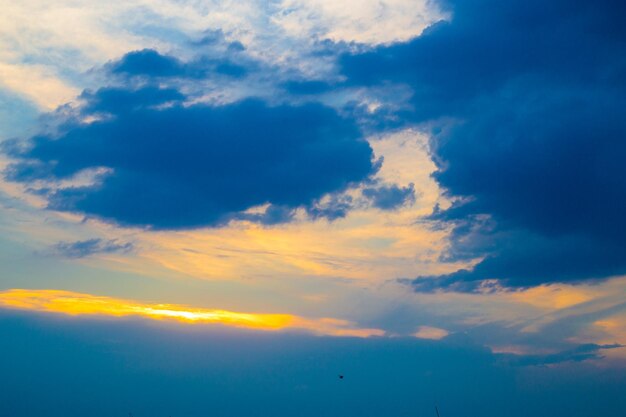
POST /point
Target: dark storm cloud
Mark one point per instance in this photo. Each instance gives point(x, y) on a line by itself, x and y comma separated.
point(84, 248)
point(174, 166)
point(528, 100)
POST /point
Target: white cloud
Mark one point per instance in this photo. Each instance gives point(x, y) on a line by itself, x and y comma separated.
point(363, 21)
point(53, 44)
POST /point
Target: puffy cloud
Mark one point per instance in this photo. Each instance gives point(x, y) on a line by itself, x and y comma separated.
point(148, 62)
point(526, 104)
point(173, 166)
point(57, 44)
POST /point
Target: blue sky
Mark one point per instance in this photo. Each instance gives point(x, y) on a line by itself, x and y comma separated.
point(431, 186)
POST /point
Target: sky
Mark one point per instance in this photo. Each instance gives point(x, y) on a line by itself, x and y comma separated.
point(214, 207)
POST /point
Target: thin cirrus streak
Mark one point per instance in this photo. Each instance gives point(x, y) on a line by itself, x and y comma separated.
point(75, 304)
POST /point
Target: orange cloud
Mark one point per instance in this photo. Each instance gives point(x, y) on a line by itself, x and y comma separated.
point(428, 332)
point(72, 303)
point(555, 296)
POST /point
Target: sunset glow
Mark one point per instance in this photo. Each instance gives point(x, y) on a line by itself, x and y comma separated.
point(77, 304)
point(245, 208)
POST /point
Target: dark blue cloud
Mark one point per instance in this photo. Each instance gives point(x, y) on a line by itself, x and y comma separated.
point(528, 100)
point(174, 166)
point(487, 45)
point(390, 197)
point(151, 64)
point(273, 214)
point(336, 207)
point(84, 248)
point(236, 46)
point(523, 259)
point(121, 100)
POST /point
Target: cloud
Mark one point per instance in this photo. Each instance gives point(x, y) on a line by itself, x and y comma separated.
point(525, 102)
point(84, 248)
point(364, 21)
point(283, 33)
point(390, 197)
point(173, 166)
point(332, 208)
point(521, 259)
point(580, 353)
point(117, 101)
point(150, 63)
point(428, 332)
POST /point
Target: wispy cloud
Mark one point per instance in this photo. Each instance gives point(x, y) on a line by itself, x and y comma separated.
point(83, 248)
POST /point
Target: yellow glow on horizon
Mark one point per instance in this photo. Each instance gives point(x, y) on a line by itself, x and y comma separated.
point(73, 303)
